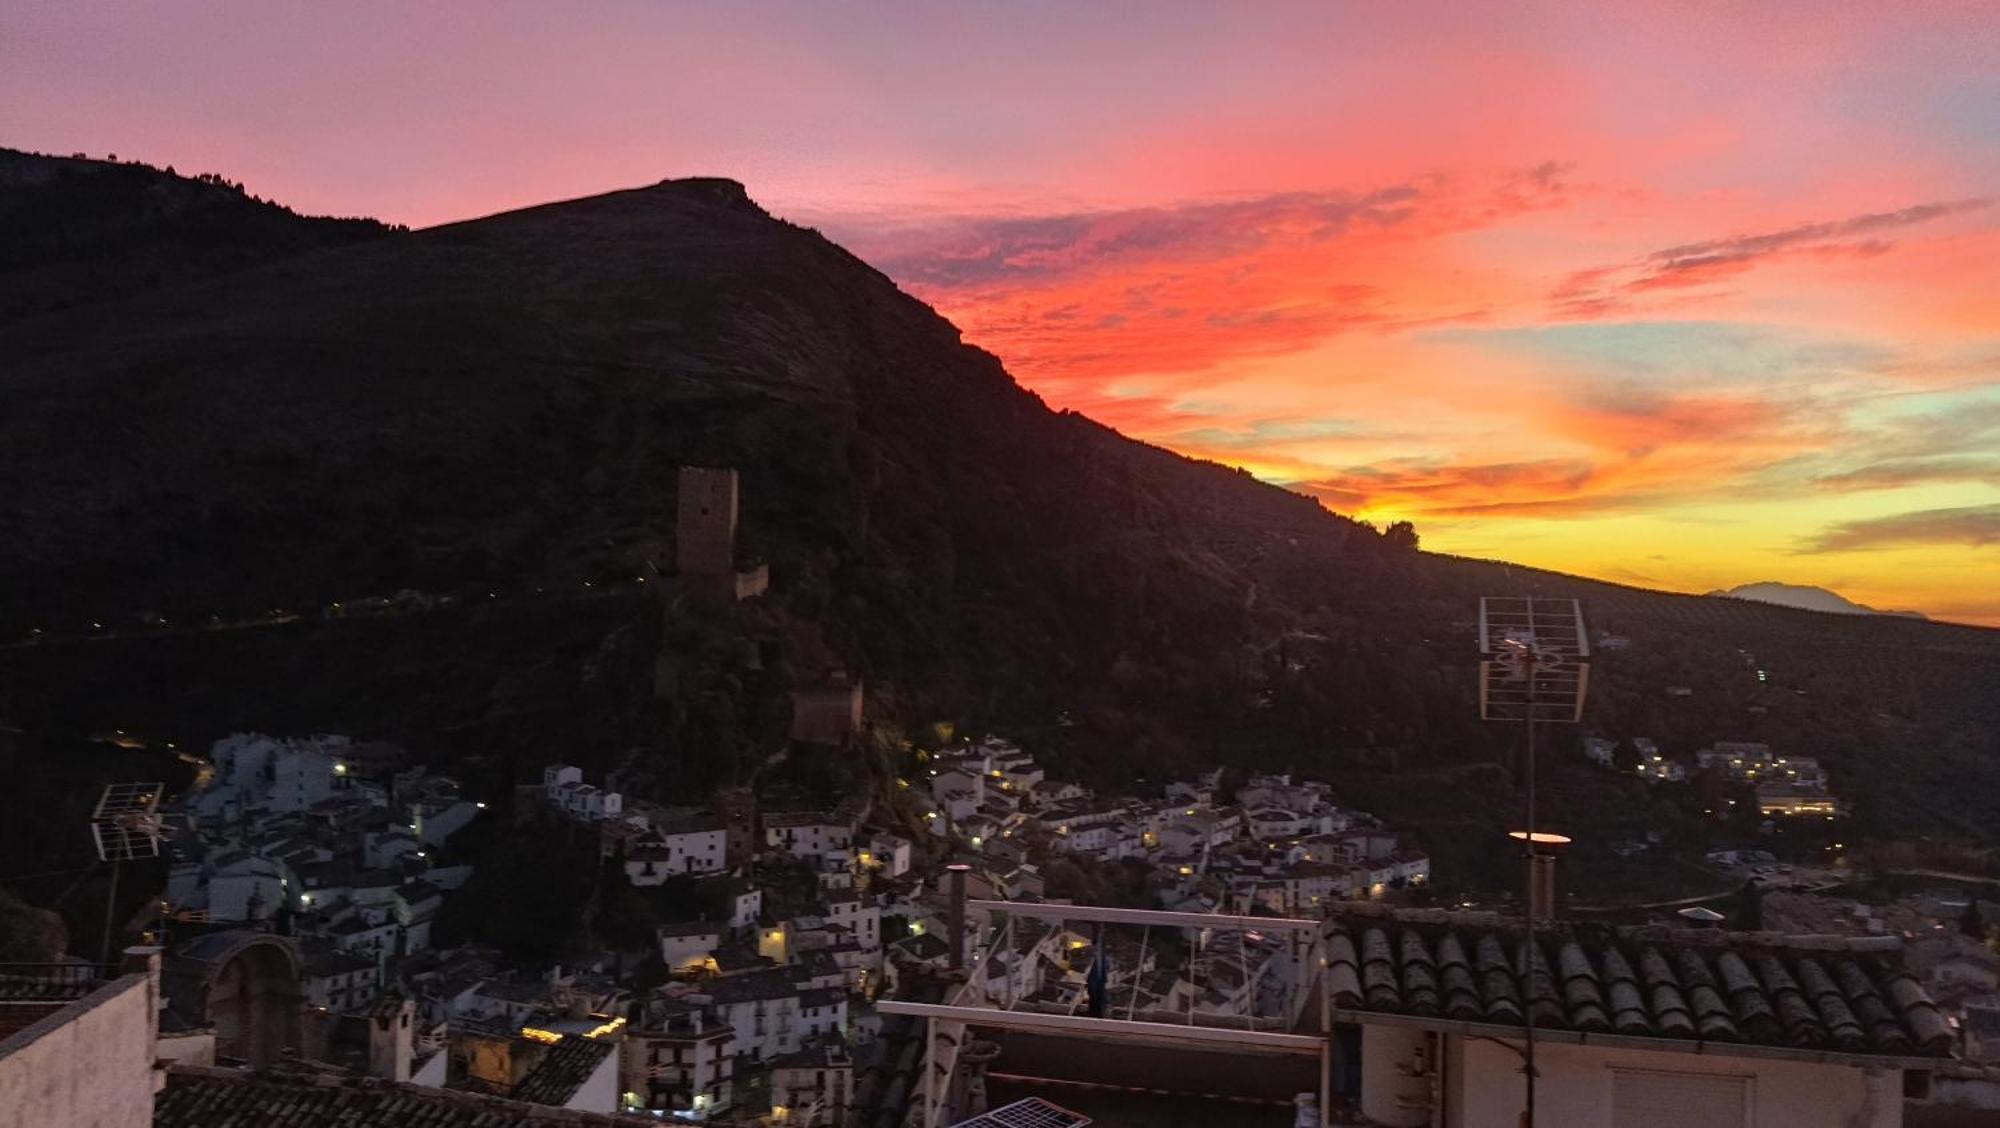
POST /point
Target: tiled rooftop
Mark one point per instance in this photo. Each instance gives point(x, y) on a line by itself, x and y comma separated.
point(209, 1097)
point(563, 1070)
point(1830, 993)
point(755, 986)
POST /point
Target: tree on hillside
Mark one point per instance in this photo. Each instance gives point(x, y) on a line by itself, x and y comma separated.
point(1400, 534)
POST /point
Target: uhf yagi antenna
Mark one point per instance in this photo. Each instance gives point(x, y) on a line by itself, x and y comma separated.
point(126, 826)
point(1534, 659)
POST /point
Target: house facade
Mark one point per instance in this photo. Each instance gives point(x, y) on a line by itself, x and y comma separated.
point(679, 1061)
point(806, 834)
point(1636, 1026)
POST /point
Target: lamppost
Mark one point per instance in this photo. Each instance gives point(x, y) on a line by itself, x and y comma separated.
point(1533, 667)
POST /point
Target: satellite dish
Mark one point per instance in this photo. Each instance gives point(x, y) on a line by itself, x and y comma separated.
point(126, 823)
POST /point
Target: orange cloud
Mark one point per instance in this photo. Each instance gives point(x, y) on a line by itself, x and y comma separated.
point(1418, 485)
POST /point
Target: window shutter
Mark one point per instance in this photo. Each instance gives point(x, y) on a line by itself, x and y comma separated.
point(1654, 1099)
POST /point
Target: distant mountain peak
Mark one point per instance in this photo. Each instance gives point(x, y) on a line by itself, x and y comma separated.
point(1806, 598)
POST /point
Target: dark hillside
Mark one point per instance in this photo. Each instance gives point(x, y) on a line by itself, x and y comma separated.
point(493, 412)
point(74, 231)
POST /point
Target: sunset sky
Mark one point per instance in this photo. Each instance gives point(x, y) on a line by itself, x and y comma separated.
point(1684, 299)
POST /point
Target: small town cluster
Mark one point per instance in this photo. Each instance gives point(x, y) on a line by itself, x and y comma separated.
point(1784, 786)
point(761, 1010)
point(800, 952)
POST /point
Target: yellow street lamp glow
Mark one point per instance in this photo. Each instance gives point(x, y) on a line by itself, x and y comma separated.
point(1540, 838)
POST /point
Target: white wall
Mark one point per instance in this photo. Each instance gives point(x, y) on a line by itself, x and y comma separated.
point(1393, 1092)
point(189, 1047)
point(892, 854)
point(1485, 1086)
point(229, 896)
point(447, 822)
point(94, 1070)
point(698, 851)
point(679, 951)
point(435, 1070)
point(1965, 1092)
point(600, 1092)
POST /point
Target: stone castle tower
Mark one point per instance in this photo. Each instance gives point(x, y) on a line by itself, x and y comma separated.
point(705, 523)
point(737, 807)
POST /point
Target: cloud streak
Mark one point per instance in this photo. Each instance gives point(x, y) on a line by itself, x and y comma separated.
point(1974, 526)
point(1606, 290)
point(1436, 486)
point(973, 251)
point(1903, 472)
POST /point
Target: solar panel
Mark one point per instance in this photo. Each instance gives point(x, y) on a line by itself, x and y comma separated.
point(1033, 1112)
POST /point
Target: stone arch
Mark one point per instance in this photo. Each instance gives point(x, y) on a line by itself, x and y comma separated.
point(248, 987)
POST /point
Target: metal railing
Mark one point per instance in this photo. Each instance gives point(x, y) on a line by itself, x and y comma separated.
point(51, 982)
point(1259, 1022)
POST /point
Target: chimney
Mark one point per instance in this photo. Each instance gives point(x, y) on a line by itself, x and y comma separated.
point(389, 1037)
point(1542, 886)
point(1539, 850)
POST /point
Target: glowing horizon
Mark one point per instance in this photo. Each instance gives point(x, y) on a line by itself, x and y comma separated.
point(1687, 299)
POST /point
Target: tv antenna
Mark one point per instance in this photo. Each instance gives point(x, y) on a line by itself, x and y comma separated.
point(126, 827)
point(1533, 666)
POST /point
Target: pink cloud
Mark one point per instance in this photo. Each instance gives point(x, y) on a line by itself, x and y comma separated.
point(1602, 291)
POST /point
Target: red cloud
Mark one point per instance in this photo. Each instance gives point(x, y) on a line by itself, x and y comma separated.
point(1073, 300)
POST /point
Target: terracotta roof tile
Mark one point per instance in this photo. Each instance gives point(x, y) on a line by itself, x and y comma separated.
point(1541, 992)
point(209, 1097)
point(1826, 993)
point(1379, 984)
point(1580, 989)
point(563, 1070)
point(1497, 982)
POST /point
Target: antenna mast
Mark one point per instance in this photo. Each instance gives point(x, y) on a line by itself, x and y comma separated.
point(1533, 667)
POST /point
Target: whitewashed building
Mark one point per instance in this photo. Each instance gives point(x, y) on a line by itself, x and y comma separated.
point(807, 834)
